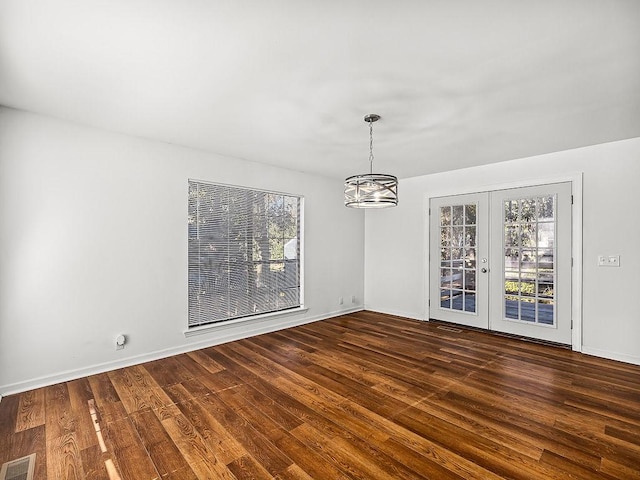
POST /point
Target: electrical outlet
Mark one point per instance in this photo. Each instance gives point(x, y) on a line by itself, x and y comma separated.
point(353, 299)
point(120, 341)
point(340, 300)
point(608, 260)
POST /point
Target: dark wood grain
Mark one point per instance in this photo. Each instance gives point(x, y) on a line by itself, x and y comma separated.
point(9, 408)
point(362, 396)
point(31, 410)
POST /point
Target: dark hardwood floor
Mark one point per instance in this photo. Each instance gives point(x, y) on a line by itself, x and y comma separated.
point(365, 396)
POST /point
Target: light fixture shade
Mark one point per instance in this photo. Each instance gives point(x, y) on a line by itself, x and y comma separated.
point(371, 190)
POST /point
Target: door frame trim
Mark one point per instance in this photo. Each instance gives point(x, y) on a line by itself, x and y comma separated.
point(576, 180)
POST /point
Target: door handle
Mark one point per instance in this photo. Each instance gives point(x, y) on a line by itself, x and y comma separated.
point(483, 270)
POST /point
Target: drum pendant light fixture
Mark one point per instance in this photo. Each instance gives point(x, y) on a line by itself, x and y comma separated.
point(371, 190)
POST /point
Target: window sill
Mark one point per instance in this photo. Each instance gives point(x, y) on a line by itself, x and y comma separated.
point(203, 329)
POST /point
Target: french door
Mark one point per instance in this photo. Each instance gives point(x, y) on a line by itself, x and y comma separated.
point(501, 261)
point(459, 260)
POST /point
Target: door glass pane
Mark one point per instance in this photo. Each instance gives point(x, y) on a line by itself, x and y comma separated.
point(458, 240)
point(470, 214)
point(445, 216)
point(457, 300)
point(511, 235)
point(545, 311)
point(470, 237)
point(458, 214)
point(527, 211)
point(511, 304)
point(457, 236)
point(527, 311)
point(529, 253)
point(445, 298)
point(445, 257)
point(546, 208)
point(445, 278)
point(470, 258)
point(456, 278)
point(511, 258)
point(528, 235)
point(470, 280)
point(511, 211)
point(469, 302)
point(546, 234)
point(445, 236)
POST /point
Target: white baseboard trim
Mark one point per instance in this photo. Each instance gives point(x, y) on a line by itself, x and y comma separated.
point(397, 313)
point(251, 331)
point(620, 357)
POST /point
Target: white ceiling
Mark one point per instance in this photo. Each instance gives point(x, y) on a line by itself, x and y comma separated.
point(287, 82)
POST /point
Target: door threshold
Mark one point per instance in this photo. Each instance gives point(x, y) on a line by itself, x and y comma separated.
point(456, 328)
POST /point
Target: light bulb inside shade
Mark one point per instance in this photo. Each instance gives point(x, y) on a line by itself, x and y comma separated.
point(371, 190)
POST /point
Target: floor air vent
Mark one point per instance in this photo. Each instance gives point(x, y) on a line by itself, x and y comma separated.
point(20, 469)
point(441, 327)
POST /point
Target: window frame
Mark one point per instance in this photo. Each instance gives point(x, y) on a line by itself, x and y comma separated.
point(197, 328)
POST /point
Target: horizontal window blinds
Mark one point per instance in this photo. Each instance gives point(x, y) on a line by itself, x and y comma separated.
point(244, 252)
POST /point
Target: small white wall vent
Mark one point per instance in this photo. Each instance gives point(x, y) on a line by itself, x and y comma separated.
point(20, 469)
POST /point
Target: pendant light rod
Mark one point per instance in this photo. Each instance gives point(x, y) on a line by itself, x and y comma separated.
point(372, 117)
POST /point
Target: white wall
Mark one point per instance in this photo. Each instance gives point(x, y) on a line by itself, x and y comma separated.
point(93, 244)
point(395, 247)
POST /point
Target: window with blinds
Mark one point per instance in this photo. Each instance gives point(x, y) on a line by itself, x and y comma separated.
point(244, 252)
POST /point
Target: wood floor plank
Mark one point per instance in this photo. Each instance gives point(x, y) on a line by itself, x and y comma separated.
point(188, 364)
point(480, 426)
point(127, 451)
point(93, 463)
point(308, 459)
point(60, 416)
point(294, 472)
point(9, 408)
point(258, 409)
point(64, 459)
point(224, 446)
point(161, 449)
point(320, 443)
point(247, 468)
point(529, 436)
point(185, 473)
point(361, 396)
point(205, 361)
point(138, 390)
point(572, 469)
point(107, 402)
point(632, 437)
point(256, 444)
point(273, 387)
point(484, 452)
point(168, 371)
point(26, 442)
point(194, 449)
point(31, 408)
point(79, 395)
point(219, 381)
point(418, 462)
point(186, 390)
point(620, 452)
point(620, 472)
